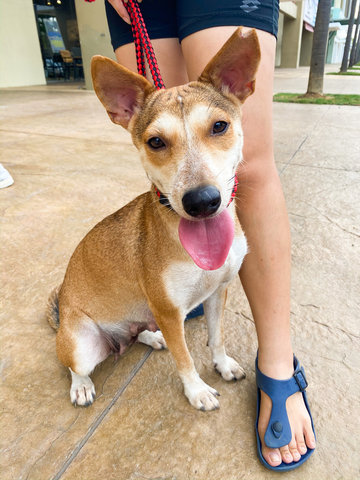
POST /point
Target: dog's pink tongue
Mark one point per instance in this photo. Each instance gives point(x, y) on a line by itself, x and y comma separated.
point(208, 241)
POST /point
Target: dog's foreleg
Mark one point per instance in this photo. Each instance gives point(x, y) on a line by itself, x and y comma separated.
point(214, 308)
point(199, 394)
point(153, 339)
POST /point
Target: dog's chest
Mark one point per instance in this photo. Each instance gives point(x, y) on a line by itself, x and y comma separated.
point(187, 285)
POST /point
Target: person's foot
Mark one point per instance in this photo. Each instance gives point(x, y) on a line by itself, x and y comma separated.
point(299, 419)
point(5, 178)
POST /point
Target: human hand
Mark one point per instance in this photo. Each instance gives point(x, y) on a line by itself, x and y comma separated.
point(121, 10)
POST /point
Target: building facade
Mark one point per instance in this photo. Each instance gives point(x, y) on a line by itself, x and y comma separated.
point(33, 33)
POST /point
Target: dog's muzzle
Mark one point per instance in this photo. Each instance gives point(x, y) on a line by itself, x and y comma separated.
point(200, 199)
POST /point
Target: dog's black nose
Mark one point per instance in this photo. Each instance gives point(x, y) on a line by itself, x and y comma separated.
point(202, 201)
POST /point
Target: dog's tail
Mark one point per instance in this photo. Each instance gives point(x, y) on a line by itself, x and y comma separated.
point(52, 310)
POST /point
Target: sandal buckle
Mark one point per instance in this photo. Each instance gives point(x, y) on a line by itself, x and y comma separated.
point(301, 379)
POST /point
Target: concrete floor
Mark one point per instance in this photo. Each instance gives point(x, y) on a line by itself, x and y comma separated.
point(71, 168)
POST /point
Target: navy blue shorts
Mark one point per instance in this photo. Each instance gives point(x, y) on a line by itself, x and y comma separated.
point(180, 18)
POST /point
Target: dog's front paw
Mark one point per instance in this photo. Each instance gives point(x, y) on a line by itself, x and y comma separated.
point(201, 395)
point(229, 369)
point(153, 339)
point(82, 391)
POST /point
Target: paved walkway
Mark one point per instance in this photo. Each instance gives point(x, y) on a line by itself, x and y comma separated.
point(292, 80)
point(71, 168)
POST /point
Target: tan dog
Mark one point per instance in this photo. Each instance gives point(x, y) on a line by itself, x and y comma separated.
point(150, 263)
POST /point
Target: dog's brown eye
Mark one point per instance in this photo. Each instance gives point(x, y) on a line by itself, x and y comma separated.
point(219, 127)
point(156, 143)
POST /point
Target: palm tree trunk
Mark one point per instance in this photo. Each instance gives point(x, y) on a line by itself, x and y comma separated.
point(317, 65)
point(357, 50)
point(345, 59)
point(355, 41)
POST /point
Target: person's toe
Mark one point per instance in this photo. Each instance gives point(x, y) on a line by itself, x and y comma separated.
point(286, 455)
point(272, 456)
point(293, 447)
point(309, 435)
point(301, 445)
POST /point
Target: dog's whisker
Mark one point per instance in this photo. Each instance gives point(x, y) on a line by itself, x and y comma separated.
point(211, 104)
point(166, 204)
point(231, 179)
point(220, 172)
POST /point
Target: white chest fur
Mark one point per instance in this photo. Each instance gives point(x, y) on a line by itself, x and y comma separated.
point(188, 285)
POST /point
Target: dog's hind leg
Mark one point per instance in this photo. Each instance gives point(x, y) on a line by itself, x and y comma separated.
point(214, 308)
point(81, 346)
point(82, 391)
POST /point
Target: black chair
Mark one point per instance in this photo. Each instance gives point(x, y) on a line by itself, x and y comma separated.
point(78, 63)
point(68, 64)
point(49, 67)
point(58, 68)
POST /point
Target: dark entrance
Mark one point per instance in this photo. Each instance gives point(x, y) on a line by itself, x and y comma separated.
point(59, 40)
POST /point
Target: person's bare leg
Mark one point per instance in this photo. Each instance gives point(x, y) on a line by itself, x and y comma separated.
point(261, 208)
point(265, 274)
point(169, 56)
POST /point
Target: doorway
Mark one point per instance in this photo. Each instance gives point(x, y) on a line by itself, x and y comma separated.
point(59, 40)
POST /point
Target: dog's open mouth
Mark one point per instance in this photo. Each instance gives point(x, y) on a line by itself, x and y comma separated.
point(208, 241)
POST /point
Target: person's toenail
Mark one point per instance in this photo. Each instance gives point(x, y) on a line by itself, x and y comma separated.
point(296, 456)
point(303, 449)
point(312, 444)
point(288, 457)
point(275, 457)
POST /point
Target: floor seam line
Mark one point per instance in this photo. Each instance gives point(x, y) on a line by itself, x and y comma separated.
point(294, 155)
point(317, 167)
point(64, 137)
point(102, 415)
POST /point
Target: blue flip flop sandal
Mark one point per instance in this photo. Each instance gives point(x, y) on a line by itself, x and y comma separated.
point(278, 432)
point(199, 310)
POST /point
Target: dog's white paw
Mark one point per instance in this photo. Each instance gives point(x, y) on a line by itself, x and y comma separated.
point(153, 339)
point(201, 395)
point(82, 391)
point(229, 369)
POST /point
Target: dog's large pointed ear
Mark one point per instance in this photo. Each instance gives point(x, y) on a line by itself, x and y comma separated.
point(121, 91)
point(234, 66)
